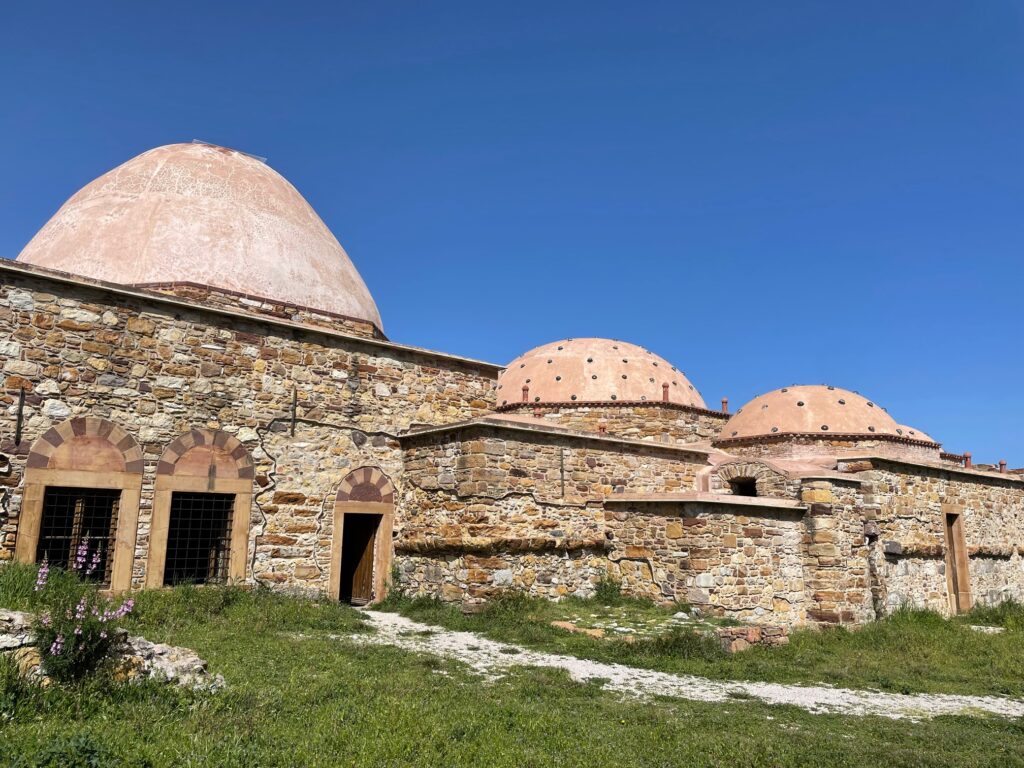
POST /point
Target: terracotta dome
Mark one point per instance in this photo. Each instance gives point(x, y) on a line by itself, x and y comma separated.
point(594, 370)
point(810, 409)
point(197, 213)
point(915, 434)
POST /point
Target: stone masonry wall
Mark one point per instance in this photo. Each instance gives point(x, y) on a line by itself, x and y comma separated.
point(837, 566)
point(295, 506)
point(473, 578)
point(770, 483)
point(158, 370)
point(527, 506)
point(494, 462)
point(741, 562)
point(208, 296)
point(803, 447)
point(651, 421)
point(910, 505)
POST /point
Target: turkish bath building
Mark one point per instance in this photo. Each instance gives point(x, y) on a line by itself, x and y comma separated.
point(197, 387)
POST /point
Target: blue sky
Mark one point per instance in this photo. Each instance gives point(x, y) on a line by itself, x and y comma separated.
point(763, 193)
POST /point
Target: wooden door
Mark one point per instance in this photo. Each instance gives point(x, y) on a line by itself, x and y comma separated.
point(362, 579)
point(957, 576)
point(357, 557)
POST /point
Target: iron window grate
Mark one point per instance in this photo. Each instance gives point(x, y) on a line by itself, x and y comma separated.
point(73, 517)
point(198, 538)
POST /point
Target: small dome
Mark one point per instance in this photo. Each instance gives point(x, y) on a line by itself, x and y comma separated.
point(197, 213)
point(915, 434)
point(594, 370)
point(810, 409)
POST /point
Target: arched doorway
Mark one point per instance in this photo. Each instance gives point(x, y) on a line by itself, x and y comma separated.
point(361, 546)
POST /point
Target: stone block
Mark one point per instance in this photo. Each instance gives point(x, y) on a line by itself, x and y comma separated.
point(816, 496)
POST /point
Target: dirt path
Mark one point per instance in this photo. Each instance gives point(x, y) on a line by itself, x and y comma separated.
point(492, 659)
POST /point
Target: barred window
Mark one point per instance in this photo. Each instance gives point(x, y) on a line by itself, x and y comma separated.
point(79, 523)
point(198, 538)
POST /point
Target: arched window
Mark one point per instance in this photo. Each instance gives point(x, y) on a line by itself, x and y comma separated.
point(83, 479)
point(202, 502)
point(743, 486)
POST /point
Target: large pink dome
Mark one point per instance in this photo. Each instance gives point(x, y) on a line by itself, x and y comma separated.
point(197, 213)
point(594, 370)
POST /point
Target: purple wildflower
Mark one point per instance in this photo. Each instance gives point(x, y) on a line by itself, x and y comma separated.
point(44, 574)
point(125, 608)
point(57, 646)
point(94, 563)
point(81, 555)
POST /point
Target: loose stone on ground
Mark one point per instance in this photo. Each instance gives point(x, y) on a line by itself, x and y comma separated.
point(492, 660)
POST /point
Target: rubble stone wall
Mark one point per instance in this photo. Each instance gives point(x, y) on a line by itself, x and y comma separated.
point(494, 462)
point(652, 421)
point(160, 369)
point(803, 447)
point(837, 566)
point(467, 578)
point(910, 504)
point(739, 562)
point(209, 296)
point(489, 508)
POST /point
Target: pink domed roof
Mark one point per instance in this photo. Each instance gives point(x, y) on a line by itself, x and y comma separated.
point(809, 409)
point(594, 370)
point(197, 213)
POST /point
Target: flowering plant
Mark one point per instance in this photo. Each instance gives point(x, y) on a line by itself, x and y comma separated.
point(75, 627)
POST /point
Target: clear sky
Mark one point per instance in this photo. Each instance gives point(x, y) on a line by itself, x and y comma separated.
point(763, 193)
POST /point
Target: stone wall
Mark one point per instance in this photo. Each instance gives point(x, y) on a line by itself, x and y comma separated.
point(207, 296)
point(837, 564)
point(741, 562)
point(470, 579)
point(294, 529)
point(769, 482)
point(997, 578)
point(796, 447)
point(647, 421)
point(909, 504)
point(492, 461)
point(487, 507)
point(159, 369)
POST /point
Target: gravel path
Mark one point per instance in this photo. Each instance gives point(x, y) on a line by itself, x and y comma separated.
point(492, 659)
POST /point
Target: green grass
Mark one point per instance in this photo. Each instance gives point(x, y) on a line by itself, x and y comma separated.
point(909, 652)
point(1009, 615)
point(18, 581)
point(298, 697)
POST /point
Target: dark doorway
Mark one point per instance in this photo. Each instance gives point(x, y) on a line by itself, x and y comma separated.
point(76, 518)
point(743, 486)
point(198, 538)
point(357, 541)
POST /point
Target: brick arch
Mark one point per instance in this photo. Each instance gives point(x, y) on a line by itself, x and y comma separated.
point(207, 453)
point(366, 484)
point(769, 482)
point(86, 443)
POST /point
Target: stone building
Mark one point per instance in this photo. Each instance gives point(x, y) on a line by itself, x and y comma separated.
point(197, 387)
